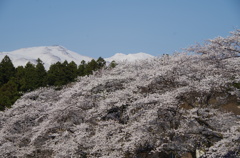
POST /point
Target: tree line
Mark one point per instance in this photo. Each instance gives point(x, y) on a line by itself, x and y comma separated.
point(16, 81)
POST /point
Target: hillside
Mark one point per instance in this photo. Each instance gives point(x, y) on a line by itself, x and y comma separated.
point(182, 105)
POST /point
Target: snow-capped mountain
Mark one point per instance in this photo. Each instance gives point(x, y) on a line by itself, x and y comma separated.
point(119, 57)
point(48, 54)
point(52, 54)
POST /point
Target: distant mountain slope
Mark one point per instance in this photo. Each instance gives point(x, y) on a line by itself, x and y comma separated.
point(118, 57)
point(48, 54)
point(53, 54)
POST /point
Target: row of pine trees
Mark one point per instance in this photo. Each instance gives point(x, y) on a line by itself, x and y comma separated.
point(16, 81)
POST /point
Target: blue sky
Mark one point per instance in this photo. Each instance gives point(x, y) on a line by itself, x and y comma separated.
point(104, 27)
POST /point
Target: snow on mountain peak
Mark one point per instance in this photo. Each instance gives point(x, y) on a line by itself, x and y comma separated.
point(119, 57)
point(52, 54)
point(48, 54)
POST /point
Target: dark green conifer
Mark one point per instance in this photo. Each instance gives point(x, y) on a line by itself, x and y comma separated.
point(7, 70)
point(56, 75)
point(20, 78)
point(8, 94)
point(30, 77)
point(113, 64)
point(90, 67)
point(41, 74)
point(101, 62)
point(81, 68)
point(71, 73)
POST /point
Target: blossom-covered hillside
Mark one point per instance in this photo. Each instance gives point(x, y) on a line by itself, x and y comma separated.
point(182, 105)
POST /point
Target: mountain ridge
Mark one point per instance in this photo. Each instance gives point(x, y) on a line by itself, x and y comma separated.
point(120, 57)
point(48, 54)
point(52, 54)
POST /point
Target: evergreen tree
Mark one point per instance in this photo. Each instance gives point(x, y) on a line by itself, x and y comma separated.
point(90, 67)
point(71, 73)
point(41, 74)
point(113, 64)
point(81, 68)
point(52, 74)
point(20, 78)
point(64, 79)
point(8, 94)
point(56, 74)
point(30, 77)
point(7, 70)
point(101, 62)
